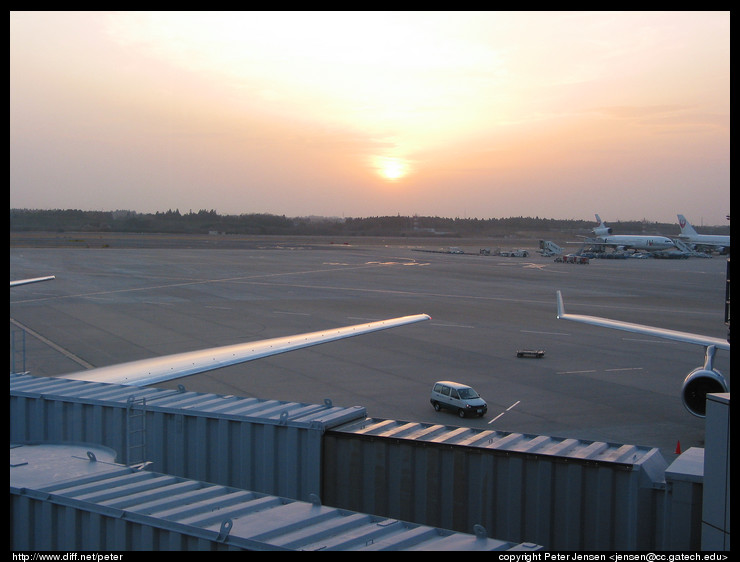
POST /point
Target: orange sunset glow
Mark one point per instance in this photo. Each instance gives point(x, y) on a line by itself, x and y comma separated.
point(489, 114)
point(391, 168)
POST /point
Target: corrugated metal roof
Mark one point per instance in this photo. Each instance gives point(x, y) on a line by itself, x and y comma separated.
point(73, 476)
point(296, 414)
point(35, 465)
point(503, 441)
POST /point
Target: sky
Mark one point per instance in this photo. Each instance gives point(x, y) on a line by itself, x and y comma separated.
point(358, 114)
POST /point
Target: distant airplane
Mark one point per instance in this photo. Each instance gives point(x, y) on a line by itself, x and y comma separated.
point(603, 237)
point(699, 382)
point(32, 280)
point(718, 242)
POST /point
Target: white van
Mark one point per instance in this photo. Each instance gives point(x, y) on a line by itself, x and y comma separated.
point(457, 397)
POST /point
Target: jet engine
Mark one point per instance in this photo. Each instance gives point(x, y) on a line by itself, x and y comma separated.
point(602, 230)
point(700, 382)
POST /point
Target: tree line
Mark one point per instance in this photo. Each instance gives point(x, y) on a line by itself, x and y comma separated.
point(209, 221)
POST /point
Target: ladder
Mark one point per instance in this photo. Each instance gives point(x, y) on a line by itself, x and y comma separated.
point(17, 351)
point(135, 430)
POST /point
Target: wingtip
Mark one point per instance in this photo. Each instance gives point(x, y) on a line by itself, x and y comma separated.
point(561, 307)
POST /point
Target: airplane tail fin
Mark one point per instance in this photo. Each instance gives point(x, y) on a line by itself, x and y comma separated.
point(686, 228)
point(601, 229)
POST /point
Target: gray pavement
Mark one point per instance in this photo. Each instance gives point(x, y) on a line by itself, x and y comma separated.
point(113, 304)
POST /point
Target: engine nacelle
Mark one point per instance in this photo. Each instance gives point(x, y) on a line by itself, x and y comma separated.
point(697, 385)
point(602, 230)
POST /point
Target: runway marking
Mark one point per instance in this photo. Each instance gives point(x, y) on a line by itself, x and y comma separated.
point(247, 279)
point(544, 333)
point(502, 413)
point(414, 262)
point(642, 340)
point(291, 313)
point(599, 371)
point(51, 344)
point(451, 325)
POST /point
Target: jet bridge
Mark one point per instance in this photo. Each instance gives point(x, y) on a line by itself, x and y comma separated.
point(565, 494)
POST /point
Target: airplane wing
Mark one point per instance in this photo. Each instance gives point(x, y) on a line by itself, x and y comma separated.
point(33, 280)
point(674, 335)
point(159, 369)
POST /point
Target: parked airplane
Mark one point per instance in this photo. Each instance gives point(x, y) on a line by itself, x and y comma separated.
point(718, 242)
point(699, 382)
point(604, 237)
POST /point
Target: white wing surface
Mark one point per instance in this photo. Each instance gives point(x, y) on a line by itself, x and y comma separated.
point(675, 335)
point(159, 369)
point(33, 280)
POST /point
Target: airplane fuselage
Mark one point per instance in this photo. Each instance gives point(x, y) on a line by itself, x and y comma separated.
point(630, 242)
point(707, 240)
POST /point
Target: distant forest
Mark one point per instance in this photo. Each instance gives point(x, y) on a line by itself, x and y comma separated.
point(204, 222)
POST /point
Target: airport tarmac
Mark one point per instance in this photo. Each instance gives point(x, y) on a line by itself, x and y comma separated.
point(113, 304)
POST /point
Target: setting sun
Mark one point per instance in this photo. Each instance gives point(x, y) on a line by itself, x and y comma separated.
point(391, 168)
